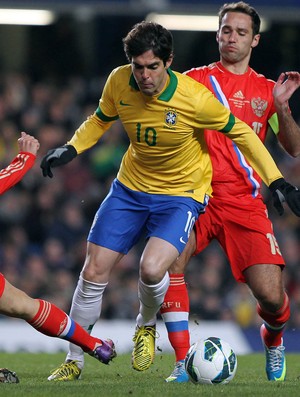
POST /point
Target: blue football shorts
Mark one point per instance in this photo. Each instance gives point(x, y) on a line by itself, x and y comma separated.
point(125, 215)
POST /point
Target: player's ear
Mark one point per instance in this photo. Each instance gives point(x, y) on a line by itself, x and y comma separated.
point(217, 37)
point(255, 40)
point(169, 61)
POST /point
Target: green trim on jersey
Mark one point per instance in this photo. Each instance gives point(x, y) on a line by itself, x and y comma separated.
point(274, 124)
point(228, 127)
point(102, 116)
point(133, 83)
point(168, 93)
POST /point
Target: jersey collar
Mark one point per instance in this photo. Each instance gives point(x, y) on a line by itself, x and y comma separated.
point(237, 76)
point(167, 93)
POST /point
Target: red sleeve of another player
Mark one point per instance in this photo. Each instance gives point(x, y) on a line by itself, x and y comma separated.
point(13, 173)
point(2, 284)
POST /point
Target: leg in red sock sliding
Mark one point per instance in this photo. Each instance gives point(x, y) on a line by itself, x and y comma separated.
point(52, 321)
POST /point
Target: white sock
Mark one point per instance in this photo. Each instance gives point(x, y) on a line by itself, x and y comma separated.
point(85, 310)
point(151, 298)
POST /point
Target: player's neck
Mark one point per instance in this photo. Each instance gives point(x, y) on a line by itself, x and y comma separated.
point(236, 68)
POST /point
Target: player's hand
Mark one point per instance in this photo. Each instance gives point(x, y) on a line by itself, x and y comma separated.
point(28, 143)
point(283, 191)
point(284, 88)
point(55, 157)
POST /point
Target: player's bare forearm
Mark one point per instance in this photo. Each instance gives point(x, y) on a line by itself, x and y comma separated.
point(289, 131)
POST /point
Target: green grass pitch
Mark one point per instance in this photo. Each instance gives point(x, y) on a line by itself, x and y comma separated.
point(119, 379)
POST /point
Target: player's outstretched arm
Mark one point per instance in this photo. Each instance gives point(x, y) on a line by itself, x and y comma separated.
point(14, 172)
point(56, 157)
point(289, 131)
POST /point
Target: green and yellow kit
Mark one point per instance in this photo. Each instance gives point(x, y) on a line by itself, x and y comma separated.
point(167, 153)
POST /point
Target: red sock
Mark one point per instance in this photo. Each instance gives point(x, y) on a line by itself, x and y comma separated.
point(52, 321)
point(175, 313)
point(272, 332)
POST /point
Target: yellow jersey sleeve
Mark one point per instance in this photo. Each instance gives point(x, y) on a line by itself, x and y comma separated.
point(212, 115)
point(255, 152)
point(91, 130)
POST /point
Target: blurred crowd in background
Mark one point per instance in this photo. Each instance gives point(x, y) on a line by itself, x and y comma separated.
point(44, 222)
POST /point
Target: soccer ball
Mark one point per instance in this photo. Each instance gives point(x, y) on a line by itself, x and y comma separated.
point(211, 361)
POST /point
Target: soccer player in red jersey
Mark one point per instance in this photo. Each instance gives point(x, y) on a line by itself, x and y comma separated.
point(236, 215)
point(42, 315)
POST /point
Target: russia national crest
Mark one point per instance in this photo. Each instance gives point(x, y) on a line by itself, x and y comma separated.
point(259, 106)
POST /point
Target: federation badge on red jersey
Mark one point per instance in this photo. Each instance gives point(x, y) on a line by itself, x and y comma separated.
point(259, 106)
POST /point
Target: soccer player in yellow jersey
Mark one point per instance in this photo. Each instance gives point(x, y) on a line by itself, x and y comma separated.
point(164, 179)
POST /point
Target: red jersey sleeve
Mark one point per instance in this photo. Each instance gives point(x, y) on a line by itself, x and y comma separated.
point(15, 171)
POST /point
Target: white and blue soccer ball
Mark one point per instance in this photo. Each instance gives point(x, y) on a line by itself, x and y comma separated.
point(211, 361)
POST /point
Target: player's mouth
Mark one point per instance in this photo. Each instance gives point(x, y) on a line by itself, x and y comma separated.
point(146, 86)
point(231, 48)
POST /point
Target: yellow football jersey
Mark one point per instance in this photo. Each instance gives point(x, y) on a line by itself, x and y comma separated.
point(167, 152)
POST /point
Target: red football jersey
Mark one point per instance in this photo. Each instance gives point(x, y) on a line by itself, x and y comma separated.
point(249, 97)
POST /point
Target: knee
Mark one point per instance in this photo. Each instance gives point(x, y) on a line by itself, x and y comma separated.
point(88, 273)
point(149, 277)
point(266, 284)
point(150, 273)
point(270, 300)
point(276, 318)
point(98, 263)
point(94, 272)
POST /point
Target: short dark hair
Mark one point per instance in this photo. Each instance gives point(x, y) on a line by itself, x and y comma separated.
point(243, 8)
point(145, 36)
